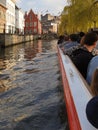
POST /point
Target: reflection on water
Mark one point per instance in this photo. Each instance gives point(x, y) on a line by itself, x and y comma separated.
point(31, 96)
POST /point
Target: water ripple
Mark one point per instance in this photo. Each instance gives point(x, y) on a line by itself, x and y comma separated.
point(31, 95)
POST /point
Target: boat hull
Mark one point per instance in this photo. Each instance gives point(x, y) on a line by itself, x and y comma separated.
point(76, 94)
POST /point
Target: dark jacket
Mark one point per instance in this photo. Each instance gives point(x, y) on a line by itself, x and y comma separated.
point(81, 58)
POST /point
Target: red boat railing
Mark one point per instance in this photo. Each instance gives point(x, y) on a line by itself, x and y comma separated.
point(71, 111)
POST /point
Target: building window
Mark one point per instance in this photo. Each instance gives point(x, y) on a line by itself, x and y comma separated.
point(31, 24)
point(30, 31)
point(2, 15)
point(35, 30)
point(26, 24)
point(9, 29)
point(27, 31)
point(35, 24)
point(31, 17)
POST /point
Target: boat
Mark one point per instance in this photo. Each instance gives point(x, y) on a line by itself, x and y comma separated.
point(76, 94)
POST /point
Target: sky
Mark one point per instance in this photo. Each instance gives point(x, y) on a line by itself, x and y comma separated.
point(54, 7)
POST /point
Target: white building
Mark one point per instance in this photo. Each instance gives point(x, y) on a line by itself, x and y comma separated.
point(54, 27)
point(3, 2)
point(19, 20)
point(10, 15)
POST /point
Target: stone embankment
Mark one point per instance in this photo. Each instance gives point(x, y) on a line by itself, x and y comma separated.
point(9, 40)
point(13, 39)
point(49, 36)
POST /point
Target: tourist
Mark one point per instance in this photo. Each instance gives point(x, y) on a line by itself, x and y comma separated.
point(82, 56)
point(93, 64)
point(92, 111)
point(65, 40)
point(70, 43)
point(81, 34)
point(61, 39)
point(73, 48)
point(94, 83)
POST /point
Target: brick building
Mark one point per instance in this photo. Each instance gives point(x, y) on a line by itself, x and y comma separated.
point(2, 17)
point(32, 23)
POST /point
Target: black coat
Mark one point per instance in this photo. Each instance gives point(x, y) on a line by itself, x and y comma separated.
point(81, 58)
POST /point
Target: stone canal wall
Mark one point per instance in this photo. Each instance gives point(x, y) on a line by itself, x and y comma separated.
point(8, 39)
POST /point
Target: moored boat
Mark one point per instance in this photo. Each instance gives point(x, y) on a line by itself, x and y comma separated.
point(76, 93)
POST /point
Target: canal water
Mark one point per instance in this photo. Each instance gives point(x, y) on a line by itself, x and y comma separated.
point(31, 93)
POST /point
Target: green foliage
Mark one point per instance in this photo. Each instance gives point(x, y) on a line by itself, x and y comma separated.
point(79, 15)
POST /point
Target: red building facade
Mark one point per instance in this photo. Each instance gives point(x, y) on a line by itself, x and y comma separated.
point(32, 24)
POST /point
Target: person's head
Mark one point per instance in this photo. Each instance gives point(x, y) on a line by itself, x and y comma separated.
point(73, 37)
point(90, 38)
point(82, 41)
point(81, 34)
point(61, 39)
point(66, 38)
point(92, 66)
point(94, 83)
point(92, 111)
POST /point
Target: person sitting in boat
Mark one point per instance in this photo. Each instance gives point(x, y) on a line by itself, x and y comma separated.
point(93, 64)
point(71, 42)
point(61, 39)
point(81, 35)
point(94, 83)
point(92, 111)
point(82, 56)
point(73, 48)
point(66, 39)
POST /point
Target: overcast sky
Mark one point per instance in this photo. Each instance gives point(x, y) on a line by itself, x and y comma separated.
point(53, 7)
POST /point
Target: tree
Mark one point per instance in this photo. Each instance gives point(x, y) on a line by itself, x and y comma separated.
point(78, 16)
